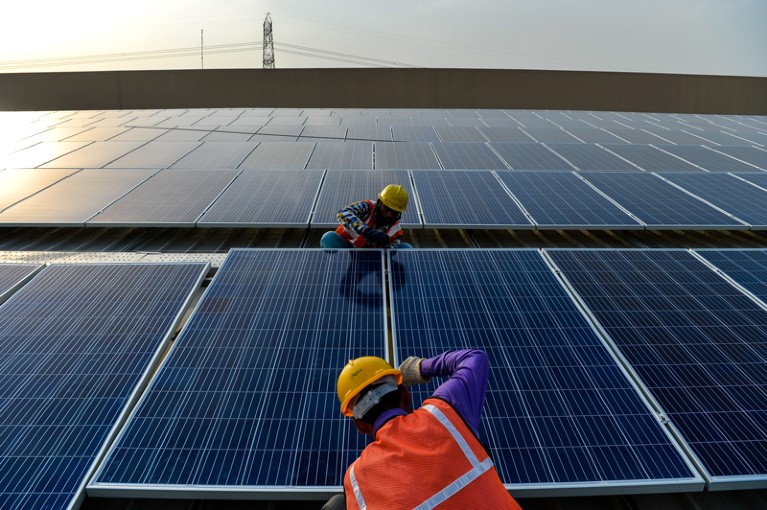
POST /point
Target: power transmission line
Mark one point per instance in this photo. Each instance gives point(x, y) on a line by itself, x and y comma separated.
point(196, 51)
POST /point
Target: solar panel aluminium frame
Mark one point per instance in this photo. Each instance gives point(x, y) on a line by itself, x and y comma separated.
point(4, 296)
point(713, 483)
point(244, 492)
point(143, 380)
point(600, 488)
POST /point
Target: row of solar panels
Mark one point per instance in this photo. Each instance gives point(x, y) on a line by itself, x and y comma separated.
point(440, 199)
point(397, 125)
point(357, 155)
point(612, 371)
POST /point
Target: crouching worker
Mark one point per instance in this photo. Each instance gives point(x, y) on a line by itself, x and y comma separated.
point(427, 458)
point(366, 224)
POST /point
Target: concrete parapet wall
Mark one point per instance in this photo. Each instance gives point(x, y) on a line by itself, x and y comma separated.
point(384, 88)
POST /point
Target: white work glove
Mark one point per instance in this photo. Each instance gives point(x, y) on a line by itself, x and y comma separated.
point(411, 371)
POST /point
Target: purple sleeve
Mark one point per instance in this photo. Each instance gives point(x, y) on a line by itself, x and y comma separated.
point(465, 390)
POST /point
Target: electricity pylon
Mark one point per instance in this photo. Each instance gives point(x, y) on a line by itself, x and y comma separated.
point(268, 43)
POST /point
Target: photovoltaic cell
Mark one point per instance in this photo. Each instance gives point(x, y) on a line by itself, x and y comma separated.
point(657, 203)
point(342, 155)
point(265, 198)
point(651, 159)
point(697, 344)
point(246, 399)
point(170, 197)
point(530, 156)
point(20, 183)
point(481, 203)
point(343, 187)
point(739, 198)
point(561, 416)
point(467, 156)
point(154, 155)
point(276, 155)
point(747, 267)
point(404, 156)
point(708, 159)
point(12, 276)
point(557, 199)
point(460, 134)
point(75, 343)
point(72, 201)
point(591, 157)
point(751, 155)
point(216, 155)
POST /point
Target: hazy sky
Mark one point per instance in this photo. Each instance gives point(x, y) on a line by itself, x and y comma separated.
point(722, 37)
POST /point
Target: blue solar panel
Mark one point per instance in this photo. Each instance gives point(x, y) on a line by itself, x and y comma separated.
point(246, 399)
point(747, 267)
point(13, 276)
point(75, 343)
point(695, 341)
point(481, 203)
point(467, 156)
point(659, 204)
point(744, 201)
point(556, 200)
point(708, 159)
point(561, 415)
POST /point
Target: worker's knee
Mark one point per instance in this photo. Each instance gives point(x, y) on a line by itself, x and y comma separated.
point(331, 240)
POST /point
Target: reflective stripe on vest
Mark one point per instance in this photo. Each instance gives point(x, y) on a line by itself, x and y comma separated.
point(478, 467)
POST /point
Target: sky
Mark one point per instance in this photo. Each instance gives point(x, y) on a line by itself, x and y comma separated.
point(712, 37)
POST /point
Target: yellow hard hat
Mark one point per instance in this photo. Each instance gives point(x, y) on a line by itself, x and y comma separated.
point(360, 373)
point(394, 197)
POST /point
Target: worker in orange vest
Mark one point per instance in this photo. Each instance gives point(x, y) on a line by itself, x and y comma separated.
point(427, 458)
point(366, 224)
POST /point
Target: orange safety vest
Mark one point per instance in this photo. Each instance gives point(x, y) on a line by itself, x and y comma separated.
point(427, 459)
point(394, 231)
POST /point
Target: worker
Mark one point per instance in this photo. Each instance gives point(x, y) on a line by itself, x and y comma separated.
point(365, 224)
point(426, 458)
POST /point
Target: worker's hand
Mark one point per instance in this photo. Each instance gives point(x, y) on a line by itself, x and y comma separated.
point(376, 237)
point(411, 371)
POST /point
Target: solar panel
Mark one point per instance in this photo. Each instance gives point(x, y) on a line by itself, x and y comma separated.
point(557, 200)
point(342, 187)
point(759, 179)
point(658, 204)
point(342, 155)
point(591, 157)
point(170, 197)
point(747, 267)
point(265, 198)
point(216, 155)
point(551, 134)
point(138, 134)
point(18, 184)
point(277, 133)
point(13, 276)
point(76, 342)
point(506, 134)
point(460, 134)
point(323, 134)
point(275, 155)
point(561, 416)
point(154, 155)
point(651, 159)
point(414, 134)
point(72, 201)
point(404, 156)
point(466, 156)
point(246, 400)
point(530, 156)
point(708, 159)
point(744, 201)
point(697, 344)
point(41, 154)
point(481, 203)
point(750, 155)
point(369, 132)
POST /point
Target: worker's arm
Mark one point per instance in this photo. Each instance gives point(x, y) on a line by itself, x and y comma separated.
point(466, 387)
point(350, 217)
